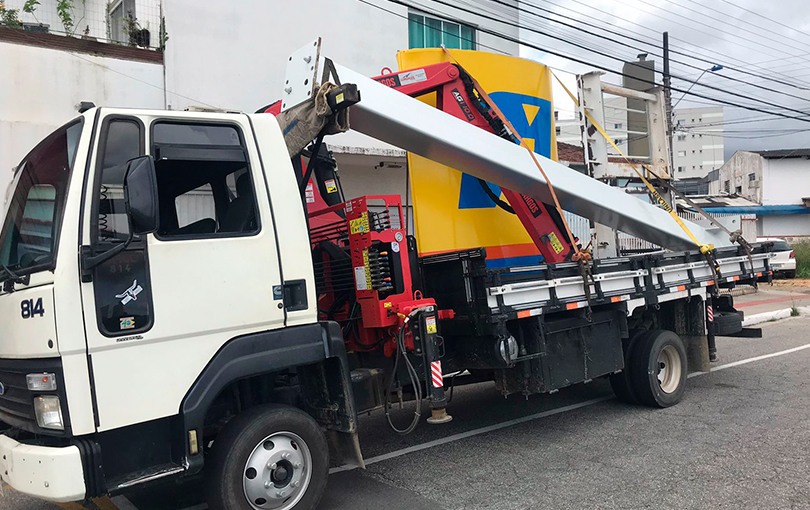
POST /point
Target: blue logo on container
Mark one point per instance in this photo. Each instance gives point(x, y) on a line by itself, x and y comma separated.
point(531, 117)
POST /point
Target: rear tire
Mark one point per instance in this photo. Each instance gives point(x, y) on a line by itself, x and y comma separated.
point(790, 274)
point(658, 369)
point(270, 456)
point(622, 383)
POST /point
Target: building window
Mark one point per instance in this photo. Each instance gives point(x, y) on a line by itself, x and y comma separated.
point(427, 32)
point(681, 154)
point(681, 138)
point(681, 122)
point(693, 151)
point(693, 137)
point(700, 136)
point(738, 190)
point(556, 115)
point(618, 141)
point(752, 177)
point(557, 130)
point(120, 12)
point(617, 126)
point(681, 169)
point(700, 151)
point(727, 186)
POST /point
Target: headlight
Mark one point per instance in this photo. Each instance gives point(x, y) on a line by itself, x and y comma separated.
point(49, 412)
point(41, 382)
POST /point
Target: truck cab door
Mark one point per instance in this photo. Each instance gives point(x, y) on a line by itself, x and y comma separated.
point(156, 313)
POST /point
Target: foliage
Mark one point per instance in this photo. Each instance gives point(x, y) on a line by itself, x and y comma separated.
point(65, 10)
point(132, 28)
point(9, 17)
point(802, 251)
point(794, 312)
point(30, 6)
point(163, 37)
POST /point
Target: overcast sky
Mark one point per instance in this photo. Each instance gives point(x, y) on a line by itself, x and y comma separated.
point(702, 33)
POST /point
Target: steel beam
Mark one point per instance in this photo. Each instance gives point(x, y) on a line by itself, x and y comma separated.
point(393, 117)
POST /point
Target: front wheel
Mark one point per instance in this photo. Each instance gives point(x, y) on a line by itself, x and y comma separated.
point(658, 369)
point(268, 458)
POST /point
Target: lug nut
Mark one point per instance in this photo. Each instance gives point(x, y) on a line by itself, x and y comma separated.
point(294, 484)
point(285, 455)
point(279, 493)
point(271, 465)
point(267, 484)
point(296, 465)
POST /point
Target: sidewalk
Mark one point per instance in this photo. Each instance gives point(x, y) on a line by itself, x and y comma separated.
point(773, 301)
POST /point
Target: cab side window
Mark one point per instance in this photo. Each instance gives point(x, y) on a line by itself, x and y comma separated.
point(121, 142)
point(122, 288)
point(204, 181)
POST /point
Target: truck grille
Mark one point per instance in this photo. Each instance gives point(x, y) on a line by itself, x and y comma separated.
point(17, 401)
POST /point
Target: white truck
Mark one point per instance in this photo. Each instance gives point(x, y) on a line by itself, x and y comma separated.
point(170, 309)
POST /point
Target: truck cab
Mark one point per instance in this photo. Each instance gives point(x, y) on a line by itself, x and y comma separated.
point(123, 350)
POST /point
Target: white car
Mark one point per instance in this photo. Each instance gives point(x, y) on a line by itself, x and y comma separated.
point(783, 259)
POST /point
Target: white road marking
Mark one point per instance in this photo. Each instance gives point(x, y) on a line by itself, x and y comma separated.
point(531, 417)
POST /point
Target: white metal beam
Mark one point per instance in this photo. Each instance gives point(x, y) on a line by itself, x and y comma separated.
point(400, 120)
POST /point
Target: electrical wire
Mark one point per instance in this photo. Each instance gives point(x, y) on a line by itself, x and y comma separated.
point(687, 51)
point(581, 61)
point(637, 48)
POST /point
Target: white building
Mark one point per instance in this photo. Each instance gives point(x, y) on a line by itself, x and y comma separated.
point(697, 141)
point(777, 180)
point(227, 57)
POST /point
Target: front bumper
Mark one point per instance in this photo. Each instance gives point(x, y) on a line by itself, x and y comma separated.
point(54, 474)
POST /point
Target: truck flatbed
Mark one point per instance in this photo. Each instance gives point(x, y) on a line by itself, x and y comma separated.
point(495, 295)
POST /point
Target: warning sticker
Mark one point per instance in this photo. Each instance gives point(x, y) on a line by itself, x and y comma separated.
point(331, 185)
point(412, 77)
point(360, 278)
point(309, 193)
point(359, 225)
point(430, 323)
point(556, 245)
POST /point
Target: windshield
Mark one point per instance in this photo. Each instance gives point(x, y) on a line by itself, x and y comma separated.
point(28, 238)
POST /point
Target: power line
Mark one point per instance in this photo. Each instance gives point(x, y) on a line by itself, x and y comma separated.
point(765, 17)
point(731, 78)
point(691, 53)
point(601, 53)
point(571, 58)
point(715, 28)
point(804, 50)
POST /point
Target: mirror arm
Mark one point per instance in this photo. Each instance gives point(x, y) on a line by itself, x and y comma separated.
point(91, 261)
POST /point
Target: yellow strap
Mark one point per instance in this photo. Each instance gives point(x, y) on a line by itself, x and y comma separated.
point(704, 248)
point(578, 254)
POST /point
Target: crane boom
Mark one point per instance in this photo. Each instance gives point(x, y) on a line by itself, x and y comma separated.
point(395, 118)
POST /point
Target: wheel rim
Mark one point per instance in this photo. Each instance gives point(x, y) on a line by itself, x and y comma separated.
point(669, 369)
point(277, 472)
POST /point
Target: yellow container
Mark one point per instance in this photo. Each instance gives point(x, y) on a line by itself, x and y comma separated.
point(451, 210)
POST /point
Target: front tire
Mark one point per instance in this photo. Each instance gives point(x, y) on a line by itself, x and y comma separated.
point(658, 369)
point(269, 457)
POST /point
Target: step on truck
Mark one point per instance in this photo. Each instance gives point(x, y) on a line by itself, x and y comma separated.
point(189, 294)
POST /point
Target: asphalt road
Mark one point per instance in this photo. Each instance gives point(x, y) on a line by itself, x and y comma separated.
point(739, 439)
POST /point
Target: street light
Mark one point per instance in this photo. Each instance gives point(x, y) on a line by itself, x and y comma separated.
point(713, 69)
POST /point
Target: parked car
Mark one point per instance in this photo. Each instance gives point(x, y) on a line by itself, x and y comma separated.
point(783, 259)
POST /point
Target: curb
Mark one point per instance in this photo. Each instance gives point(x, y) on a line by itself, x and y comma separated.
point(774, 315)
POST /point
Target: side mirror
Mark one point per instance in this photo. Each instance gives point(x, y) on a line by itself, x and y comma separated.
point(141, 195)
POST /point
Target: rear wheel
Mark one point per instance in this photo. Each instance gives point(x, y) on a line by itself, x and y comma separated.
point(268, 458)
point(658, 369)
point(790, 274)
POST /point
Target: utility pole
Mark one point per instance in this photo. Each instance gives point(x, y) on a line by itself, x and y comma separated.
point(668, 99)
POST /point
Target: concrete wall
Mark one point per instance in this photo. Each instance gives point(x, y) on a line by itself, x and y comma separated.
point(237, 61)
point(787, 226)
point(43, 87)
point(737, 171)
point(785, 181)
